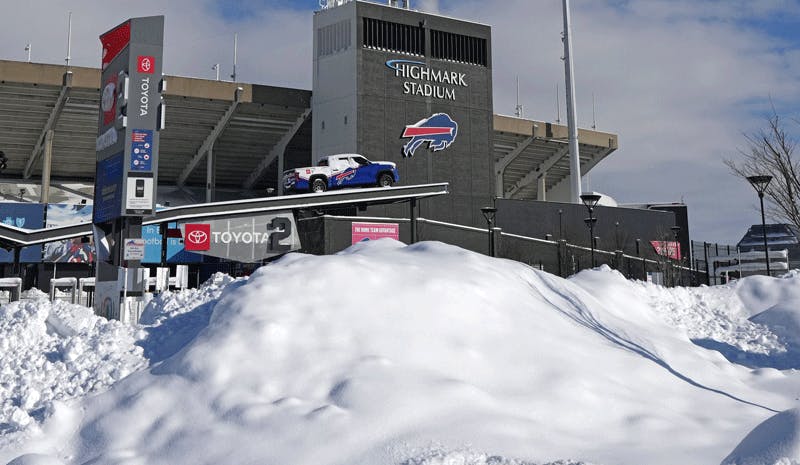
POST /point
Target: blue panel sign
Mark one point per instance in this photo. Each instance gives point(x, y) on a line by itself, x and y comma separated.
point(108, 189)
point(175, 250)
point(27, 216)
point(141, 150)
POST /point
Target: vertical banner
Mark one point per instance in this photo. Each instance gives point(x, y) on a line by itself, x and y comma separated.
point(129, 119)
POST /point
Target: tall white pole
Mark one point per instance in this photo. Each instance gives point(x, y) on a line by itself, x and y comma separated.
point(28, 49)
point(558, 105)
point(235, 50)
point(69, 39)
point(574, 155)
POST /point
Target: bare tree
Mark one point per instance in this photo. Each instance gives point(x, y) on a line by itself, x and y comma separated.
point(770, 151)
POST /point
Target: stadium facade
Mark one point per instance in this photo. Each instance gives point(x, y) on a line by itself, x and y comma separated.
point(389, 83)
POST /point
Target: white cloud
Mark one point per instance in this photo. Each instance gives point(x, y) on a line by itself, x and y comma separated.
point(678, 81)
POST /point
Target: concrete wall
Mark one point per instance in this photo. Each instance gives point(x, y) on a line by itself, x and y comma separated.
point(537, 219)
point(383, 110)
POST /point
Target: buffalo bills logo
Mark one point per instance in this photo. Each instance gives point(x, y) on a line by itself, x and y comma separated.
point(345, 175)
point(439, 131)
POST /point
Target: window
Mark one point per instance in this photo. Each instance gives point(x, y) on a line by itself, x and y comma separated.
point(458, 47)
point(395, 37)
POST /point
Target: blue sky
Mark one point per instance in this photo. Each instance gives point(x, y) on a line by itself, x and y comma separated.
point(679, 81)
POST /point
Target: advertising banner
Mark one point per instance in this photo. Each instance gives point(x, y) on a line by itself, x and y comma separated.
point(371, 231)
point(75, 250)
point(108, 188)
point(175, 251)
point(670, 249)
point(130, 110)
point(247, 239)
point(26, 216)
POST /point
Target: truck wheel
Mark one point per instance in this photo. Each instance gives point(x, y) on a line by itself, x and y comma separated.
point(385, 180)
point(319, 185)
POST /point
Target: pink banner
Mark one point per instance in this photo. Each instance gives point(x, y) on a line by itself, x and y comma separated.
point(372, 231)
point(669, 249)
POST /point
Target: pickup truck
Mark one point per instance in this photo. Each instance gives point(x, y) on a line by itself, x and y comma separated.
point(339, 171)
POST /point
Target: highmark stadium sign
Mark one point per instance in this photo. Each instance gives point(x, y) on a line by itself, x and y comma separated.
point(422, 80)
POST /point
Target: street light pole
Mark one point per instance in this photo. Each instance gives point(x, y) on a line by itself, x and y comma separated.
point(760, 184)
point(675, 230)
point(489, 213)
point(590, 200)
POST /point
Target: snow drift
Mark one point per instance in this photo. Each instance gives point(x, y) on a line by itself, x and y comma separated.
point(423, 354)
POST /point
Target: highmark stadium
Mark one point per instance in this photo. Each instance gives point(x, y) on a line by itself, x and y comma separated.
point(122, 169)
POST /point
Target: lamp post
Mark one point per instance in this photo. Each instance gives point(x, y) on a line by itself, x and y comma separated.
point(760, 184)
point(560, 224)
point(675, 229)
point(489, 213)
point(590, 200)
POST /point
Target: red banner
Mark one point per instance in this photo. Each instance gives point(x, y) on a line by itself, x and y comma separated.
point(372, 231)
point(669, 249)
point(114, 41)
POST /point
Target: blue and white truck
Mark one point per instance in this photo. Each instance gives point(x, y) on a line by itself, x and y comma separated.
point(340, 171)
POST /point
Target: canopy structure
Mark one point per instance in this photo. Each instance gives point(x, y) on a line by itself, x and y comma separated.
point(250, 132)
point(532, 157)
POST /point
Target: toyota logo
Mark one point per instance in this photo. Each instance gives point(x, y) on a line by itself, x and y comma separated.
point(197, 237)
point(146, 65)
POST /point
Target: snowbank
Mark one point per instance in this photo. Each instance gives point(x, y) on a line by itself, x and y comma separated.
point(776, 441)
point(419, 355)
point(57, 351)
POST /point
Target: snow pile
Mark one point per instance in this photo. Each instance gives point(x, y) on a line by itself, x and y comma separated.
point(776, 441)
point(422, 355)
point(172, 319)
point(712, 316)
point(57, 351)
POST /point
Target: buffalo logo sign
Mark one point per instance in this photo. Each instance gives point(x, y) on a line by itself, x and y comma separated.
point(439, 131)
point(198, 237)
point(345, 175)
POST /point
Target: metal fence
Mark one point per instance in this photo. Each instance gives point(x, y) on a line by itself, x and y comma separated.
point(559, 257)
point(330, 234)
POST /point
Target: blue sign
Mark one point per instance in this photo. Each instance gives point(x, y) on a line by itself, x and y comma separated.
point(22, 215)
point(175, 251)
point(108, 189)
point(141, 150)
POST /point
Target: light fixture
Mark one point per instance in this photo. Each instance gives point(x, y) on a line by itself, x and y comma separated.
point(489, 213)
point(760, 184)
point(591, 200)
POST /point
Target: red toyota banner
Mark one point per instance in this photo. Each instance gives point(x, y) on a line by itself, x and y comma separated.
point(669, 249)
